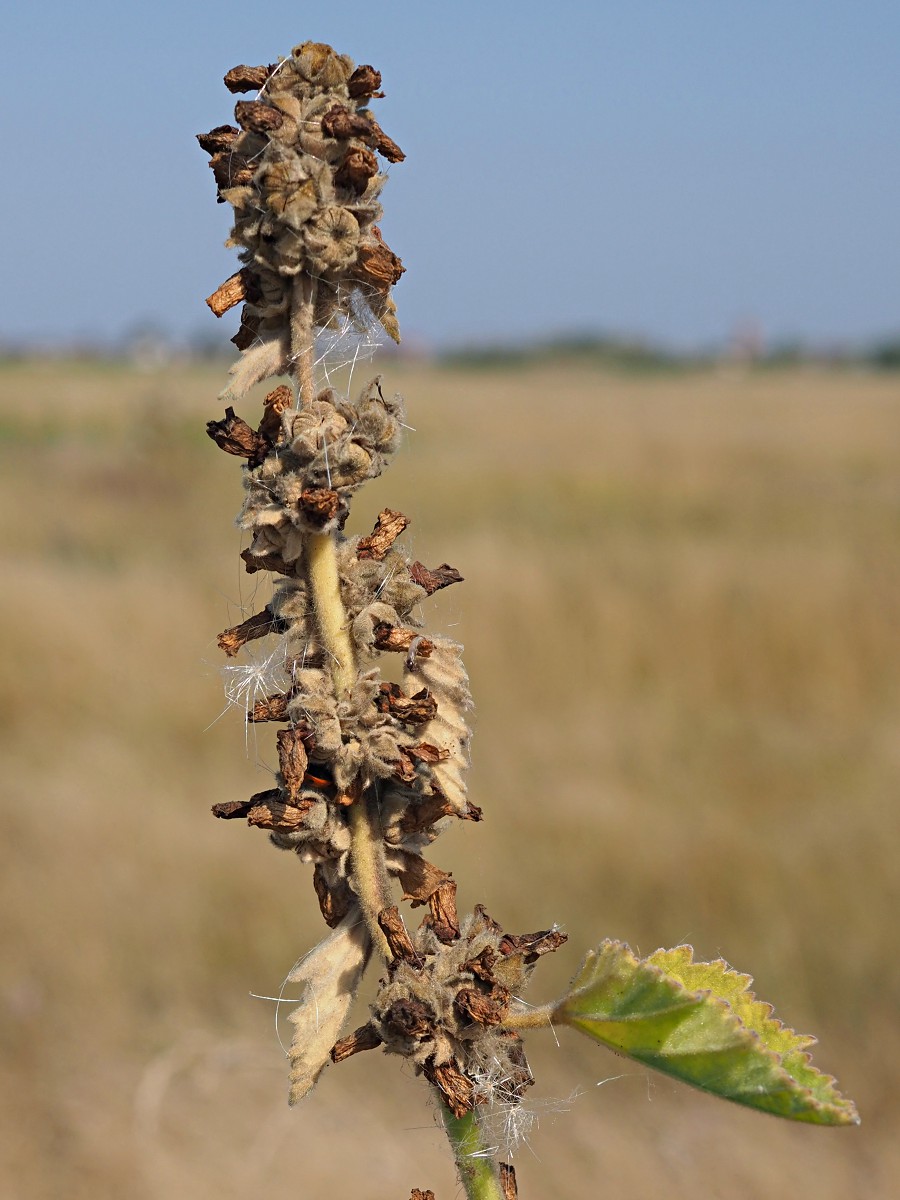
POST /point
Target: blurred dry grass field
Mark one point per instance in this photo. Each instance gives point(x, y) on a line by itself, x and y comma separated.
point(682, 622)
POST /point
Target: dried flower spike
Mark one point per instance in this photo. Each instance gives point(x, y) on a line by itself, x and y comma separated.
point(370, 771)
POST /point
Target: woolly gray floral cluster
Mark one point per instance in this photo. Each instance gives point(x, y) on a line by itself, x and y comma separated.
point(446, 1006)
point(301, 174)
point(445, 1003)
point(409, 740)
point(329, 445)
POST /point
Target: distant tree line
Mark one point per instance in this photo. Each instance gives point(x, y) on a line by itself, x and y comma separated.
point(627, 354)
point(149, 347)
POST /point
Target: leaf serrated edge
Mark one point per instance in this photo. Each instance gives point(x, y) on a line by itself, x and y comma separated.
point(754, 1013)
point(819, 1092)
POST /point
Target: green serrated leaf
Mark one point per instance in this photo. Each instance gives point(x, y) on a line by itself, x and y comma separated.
point(700, 1023)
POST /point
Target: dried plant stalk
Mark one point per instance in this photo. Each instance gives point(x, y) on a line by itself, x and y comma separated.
point(372, 771)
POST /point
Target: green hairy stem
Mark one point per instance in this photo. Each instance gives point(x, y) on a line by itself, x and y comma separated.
point(536, 1017)
point(475, 1163)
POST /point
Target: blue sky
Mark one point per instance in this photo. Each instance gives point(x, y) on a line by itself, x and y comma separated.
point(661, 168)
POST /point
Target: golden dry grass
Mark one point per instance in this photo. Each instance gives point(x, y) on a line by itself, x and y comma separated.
point(682, 621)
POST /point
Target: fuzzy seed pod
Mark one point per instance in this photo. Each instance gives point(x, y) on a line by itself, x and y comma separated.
point(292, 187)
point(320, 66)
point(331, 241)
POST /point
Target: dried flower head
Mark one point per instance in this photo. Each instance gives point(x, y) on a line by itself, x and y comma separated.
point(445, 1001)
point(301, 172)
